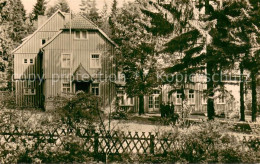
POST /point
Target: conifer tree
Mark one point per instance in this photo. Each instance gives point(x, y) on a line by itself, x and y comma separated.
point(112, 17)
point(89, 9)
point(39, 9)
point(61, 5)
point(13, 28)
point(211, 30)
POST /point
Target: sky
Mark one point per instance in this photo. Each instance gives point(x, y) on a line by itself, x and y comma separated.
point(74, 4)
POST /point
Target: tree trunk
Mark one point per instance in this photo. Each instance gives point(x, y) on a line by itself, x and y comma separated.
point(254, 96)
point(242, 101)
point(210, 87)
point(141, 104)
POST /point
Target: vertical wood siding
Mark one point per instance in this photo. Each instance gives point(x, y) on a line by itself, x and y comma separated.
point(30, 50)
point(81, 51)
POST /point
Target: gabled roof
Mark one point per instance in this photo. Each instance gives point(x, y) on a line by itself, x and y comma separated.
point(81, 74)
point(35, 32)
point(80, 22)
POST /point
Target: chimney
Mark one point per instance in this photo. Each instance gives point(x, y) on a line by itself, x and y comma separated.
point(41, 20)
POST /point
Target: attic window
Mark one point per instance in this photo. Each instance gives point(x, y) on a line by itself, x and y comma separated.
point(25, 61)
point(84, 34)
point(43, 41)
point(77, 34)
point(81, 35)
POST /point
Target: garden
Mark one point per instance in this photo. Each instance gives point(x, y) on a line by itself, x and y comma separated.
point(79, 130)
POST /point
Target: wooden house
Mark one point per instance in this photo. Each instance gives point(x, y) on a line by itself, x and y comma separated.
point(64, 55)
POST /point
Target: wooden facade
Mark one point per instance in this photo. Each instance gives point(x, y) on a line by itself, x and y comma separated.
point(39, 70)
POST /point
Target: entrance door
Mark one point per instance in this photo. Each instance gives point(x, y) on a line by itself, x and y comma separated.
point(83, 86)
point(154, 103)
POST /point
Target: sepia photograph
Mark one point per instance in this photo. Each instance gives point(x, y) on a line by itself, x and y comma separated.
point(129, 81)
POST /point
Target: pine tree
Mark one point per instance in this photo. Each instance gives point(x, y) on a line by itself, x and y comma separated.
point(61, 5)
point(247, 33)
point(39, 9)
point(89, 9)
point(13, 28)
point(212, 31)
point(104, 19)
point(112, 17)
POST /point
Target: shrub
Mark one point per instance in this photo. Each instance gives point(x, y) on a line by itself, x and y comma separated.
point(76, 108)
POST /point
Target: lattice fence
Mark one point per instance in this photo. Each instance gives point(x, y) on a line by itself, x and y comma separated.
point(96, 142)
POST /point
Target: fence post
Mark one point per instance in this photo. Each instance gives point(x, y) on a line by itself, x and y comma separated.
point(96, 143)
point(152, 144)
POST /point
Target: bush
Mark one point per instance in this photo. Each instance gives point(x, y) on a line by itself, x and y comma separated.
point(8, 101)
point(76, 108)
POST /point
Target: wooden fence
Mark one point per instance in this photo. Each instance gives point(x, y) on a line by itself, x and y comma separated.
point(97, 142)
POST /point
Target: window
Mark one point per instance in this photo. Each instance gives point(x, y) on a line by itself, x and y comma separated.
point(156, 102)
point(131, 101)
point(43, 41)
point(178, 98)
point(95, 61)
point(28, 61)
point(221, 100)
point(29, 91)
point(84, 34)
point(66, 87)
point(65, 60)
point(191, 97)
point(77, 34)
point(150, 101)
point(95, 89)
point(81, 35)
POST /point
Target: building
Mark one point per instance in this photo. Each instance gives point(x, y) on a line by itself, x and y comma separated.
point(64, 55)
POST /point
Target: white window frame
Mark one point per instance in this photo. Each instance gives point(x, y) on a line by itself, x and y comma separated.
point(94, 88)
point(28, 61)
point(178, 97)
point(75, 35)
point(63, 65)
point(191, 97)
point(24, 61)
point(80, 35)
point(93, 60)
point(150, 102)
point(29, 91)
point(68, 88)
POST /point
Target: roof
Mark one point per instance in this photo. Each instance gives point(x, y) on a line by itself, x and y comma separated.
point(35, 32)
point(81, 74)
point(49, 41)
point(80, 22)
